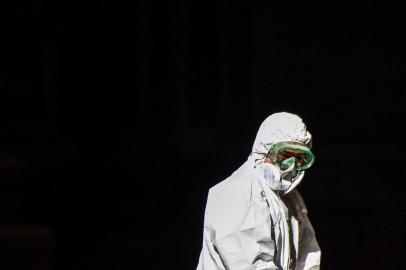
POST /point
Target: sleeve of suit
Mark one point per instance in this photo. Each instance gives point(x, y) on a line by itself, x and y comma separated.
point(309, 250)
point(248, 247)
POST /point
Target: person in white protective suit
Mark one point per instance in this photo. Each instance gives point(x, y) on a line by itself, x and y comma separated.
point(255, 219)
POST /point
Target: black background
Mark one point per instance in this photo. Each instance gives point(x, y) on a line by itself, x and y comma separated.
point(116, 118)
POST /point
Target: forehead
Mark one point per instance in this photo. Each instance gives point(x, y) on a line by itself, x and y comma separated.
point(294, 143)
point(291, 152)
point(291, 145)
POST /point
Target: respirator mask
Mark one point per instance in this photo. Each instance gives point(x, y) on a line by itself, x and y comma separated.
point(289, 162)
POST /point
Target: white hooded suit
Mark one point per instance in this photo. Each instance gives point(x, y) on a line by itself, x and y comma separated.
point(248, 225)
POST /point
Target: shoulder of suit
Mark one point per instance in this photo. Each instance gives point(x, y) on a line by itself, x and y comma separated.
point(236, 184)
point(229, 202)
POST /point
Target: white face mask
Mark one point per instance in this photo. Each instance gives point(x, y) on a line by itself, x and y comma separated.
point(277, 179)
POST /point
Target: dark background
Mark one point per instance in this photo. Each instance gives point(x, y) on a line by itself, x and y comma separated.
point(116, 118)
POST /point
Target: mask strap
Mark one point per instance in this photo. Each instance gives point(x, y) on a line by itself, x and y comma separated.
point(255, 161)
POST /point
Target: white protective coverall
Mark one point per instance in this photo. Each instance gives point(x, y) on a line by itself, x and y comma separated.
point(249, 226)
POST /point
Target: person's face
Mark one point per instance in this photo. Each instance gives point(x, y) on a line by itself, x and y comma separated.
point(268, 160)
point(299, 155)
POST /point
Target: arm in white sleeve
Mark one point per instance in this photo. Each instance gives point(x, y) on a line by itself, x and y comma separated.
point(309, 250)
point(241, 231)
point(209, 258)
point(249, 248)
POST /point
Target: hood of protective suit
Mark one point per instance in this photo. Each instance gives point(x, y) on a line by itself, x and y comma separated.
point(280, 127)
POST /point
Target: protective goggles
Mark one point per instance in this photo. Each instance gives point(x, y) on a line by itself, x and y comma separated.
point(285, 154)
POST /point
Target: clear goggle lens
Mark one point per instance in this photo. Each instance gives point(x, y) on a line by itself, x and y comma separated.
point(286, 154)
